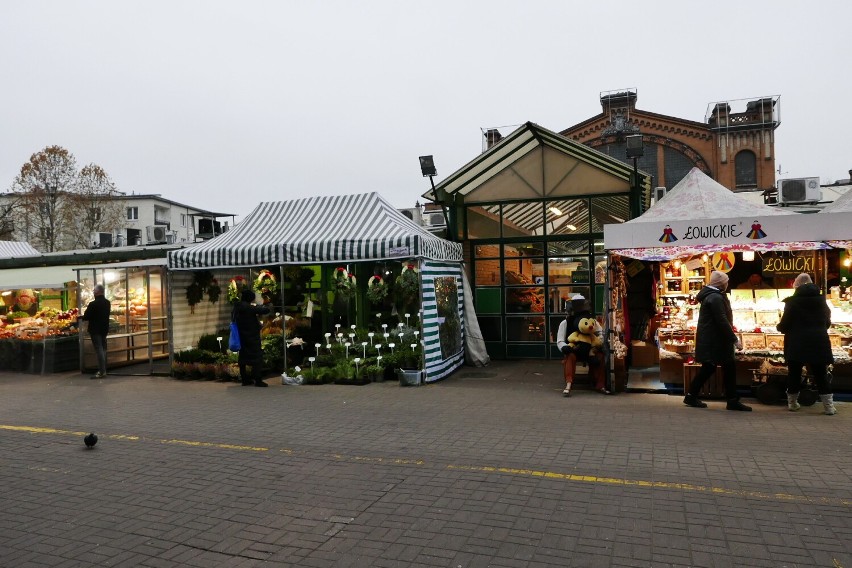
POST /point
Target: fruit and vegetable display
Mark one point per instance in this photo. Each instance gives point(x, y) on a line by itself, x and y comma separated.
point(47, 322)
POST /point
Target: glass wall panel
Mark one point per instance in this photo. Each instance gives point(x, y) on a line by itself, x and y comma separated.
point(491, 327)
point(488, 300)
point(523, 219)
point(567, 216)
point(521, 299)
point(609, 210)
point(525, 328)
point(487, 272)
point(483, 221)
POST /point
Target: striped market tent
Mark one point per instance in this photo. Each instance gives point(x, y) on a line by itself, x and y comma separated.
point(323, 229)
point(346, 229)
point(14, 249)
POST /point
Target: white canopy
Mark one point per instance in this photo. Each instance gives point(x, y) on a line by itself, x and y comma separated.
point(13, 249)
point(700, 215)
point(348, 228)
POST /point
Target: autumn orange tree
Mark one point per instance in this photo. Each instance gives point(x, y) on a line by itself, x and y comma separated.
point(59, 207)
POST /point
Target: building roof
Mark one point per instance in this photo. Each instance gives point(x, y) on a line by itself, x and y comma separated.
point(12, 249)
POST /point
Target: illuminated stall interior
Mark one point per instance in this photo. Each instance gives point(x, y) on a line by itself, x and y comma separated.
point(139, 330)
point(531, 211)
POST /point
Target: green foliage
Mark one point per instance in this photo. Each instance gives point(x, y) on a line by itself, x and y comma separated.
point(200, 356)
point(273, 352)
point(208, 342)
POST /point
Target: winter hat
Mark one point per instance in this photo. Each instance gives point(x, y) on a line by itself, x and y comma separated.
point(247, 295)
point(718, 279)
point(802, 279)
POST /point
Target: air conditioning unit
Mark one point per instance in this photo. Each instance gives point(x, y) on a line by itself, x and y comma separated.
point(659, 193)
point(155, 234)
point(799, 190)
point(100, 240)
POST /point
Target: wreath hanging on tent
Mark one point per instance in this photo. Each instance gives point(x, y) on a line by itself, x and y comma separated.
point(235, 288)
point(266, 284)
point(344, 283)
point(202, 282)
point(377, 289)
point(408, 283)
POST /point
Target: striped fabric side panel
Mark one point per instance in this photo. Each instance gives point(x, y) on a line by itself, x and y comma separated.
point(436, 365)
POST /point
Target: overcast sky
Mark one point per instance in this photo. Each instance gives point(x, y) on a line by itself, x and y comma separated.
point(222, 105)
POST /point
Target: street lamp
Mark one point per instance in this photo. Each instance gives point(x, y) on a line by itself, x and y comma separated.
point(427, 168)
point(635, 150)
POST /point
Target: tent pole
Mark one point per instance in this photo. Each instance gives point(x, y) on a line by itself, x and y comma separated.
point(283, 316)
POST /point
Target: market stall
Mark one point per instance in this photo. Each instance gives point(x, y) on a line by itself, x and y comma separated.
point(38, 317)
point(340, 256)
point(701, 226)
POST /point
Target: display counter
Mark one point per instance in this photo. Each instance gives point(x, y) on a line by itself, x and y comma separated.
point(47, 355)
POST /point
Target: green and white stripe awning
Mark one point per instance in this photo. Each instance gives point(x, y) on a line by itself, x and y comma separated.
point(346, 228)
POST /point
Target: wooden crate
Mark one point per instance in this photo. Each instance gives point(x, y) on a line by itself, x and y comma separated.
point(836, 340)
point(775, 341)
point(713, 388)
point(753, 341)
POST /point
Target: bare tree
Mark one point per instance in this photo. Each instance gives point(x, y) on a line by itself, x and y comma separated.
point(91, 207)
point(43, 184)
point(8, 204)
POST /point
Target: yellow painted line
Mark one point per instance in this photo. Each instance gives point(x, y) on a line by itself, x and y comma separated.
point(37, 430)
point(481, 469)
point(652, 484)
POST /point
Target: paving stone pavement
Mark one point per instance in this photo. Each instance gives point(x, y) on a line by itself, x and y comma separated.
point(490, 467)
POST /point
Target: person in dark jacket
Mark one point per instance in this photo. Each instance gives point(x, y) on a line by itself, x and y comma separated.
point(251, 354)
point(97, 314)
point(805, 324)
point(715, 341)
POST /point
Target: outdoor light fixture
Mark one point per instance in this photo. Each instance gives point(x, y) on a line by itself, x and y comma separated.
point(635, 150)
point(635, 146)
point(748, 255)
point(427, 166)
point(555, 211)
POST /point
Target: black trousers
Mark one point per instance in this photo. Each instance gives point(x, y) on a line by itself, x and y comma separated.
point(729, 375)
point(794, 377)
point(255, 364)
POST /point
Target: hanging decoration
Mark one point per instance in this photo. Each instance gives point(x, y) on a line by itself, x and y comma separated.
point(377, 289)
point(266, 284)
point(202, 281)
point(344, 283)
point(213, 291)
point(407, 284)
point(235, 288)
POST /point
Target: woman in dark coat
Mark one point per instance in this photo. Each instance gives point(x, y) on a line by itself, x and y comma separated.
point(714, 343)
point(805, 324)
point(251, 354)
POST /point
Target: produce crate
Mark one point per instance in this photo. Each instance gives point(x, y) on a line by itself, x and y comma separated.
point(753, 341)
point(775, 341)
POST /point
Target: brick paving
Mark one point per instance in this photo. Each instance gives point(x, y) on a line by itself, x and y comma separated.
point(491, 467)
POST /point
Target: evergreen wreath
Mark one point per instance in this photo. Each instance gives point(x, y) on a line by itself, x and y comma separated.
point(213, 291)
point(344, 283)
point(377, 289)
point(408, 283)
point(266, 284)
point(235, 288)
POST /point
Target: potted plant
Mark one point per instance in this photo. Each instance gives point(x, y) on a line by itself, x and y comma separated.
point(410, 373)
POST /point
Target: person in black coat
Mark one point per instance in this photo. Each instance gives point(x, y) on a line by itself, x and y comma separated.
point(97, 314)
point(805, 324)
point(251, 353)
point(715, 341)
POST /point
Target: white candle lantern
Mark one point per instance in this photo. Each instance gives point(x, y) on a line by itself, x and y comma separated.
point(328, 346)
point(400, 325)
point(340, 338)
point(370, 335)
point(406, 318)
point(384, 327)
point(357, 360)
point(391, 345)
point(364, 345)
point(347, 344)
point(416, 333)
point(317, 347)
point(312, 359)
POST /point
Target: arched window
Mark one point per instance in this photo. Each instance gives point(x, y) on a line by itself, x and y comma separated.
point(745, 165)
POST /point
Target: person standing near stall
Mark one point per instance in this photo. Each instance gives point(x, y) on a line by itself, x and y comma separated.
point(715, 341)
point(251, 351)
point(805, 324)
point(97, 314)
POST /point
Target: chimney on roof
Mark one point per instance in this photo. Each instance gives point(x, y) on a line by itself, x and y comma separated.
point(492, 137)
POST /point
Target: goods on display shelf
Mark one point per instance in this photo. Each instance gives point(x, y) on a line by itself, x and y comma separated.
point(47, 322)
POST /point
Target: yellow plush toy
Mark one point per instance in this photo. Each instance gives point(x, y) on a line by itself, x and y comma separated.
point(585, 334)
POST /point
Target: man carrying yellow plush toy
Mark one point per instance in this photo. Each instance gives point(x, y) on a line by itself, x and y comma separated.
point(578, 340)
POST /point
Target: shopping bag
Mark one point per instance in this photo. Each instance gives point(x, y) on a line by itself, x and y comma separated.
point(234, 339)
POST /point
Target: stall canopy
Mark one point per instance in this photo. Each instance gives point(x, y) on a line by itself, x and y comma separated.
point(699, 215)
point(348, 228)
point(36, 277)
point(840, 212)
point(13, 249)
